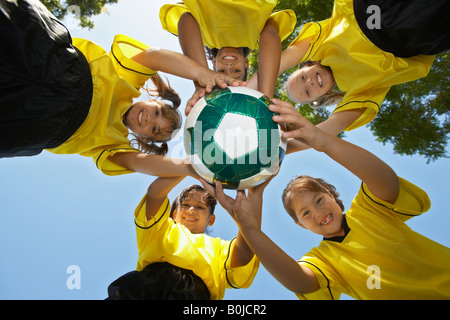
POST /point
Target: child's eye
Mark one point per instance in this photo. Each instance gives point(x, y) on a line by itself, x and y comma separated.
point(156, 112)
point(308, 93)
point(319, 200)
point(305, 213)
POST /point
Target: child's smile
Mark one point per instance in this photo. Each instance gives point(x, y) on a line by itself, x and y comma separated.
point(231, 62)
point(193, 213)
point(327, 220)
point(309, 83)
point(145, 119)
point(319, 212)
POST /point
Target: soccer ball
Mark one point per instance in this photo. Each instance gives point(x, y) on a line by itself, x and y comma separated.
point(230, 136)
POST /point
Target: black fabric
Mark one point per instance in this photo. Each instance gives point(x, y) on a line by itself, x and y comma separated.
point(408, 27)
point(45, 82)
point(346, 231)
point(158, 281)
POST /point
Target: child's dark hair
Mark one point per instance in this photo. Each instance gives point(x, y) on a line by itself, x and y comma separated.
point(169, 112)
point(184, 194)
point(306, 183)
point(211, 53)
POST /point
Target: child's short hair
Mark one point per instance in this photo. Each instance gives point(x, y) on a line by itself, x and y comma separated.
point(330, 98)
point(184, 194)
point(306, 183)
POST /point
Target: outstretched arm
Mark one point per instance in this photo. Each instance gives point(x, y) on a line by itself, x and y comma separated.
point(376, 174)
point(269, 57)
point(182, 66)
point(334, 125)
point(191, 43)
point(289, 58)
point(154, 165)
point(246, 212)
point(190, 39)
point(157, 193)
point(242, 253)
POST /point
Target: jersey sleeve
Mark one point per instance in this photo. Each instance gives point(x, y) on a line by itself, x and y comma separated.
point(170, 14)
point(371, 100)
point(122, 50)
point(411, 202)
point(325, 277)
point(240, 277)
point(108, 167)
point(145, 229)
point(286, 20)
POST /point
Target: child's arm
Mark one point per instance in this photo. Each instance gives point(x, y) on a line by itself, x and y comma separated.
point(246, 212)
point(269, 57)
point(377, 175)
point(242, 253)
point(190, 39)
point(334, 125)
point(157, 193)
point(289, 58)
point(191, 43)
point(152, 164)
point(182, 66)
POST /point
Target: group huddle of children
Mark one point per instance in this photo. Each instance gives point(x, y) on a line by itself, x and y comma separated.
point(70, 96)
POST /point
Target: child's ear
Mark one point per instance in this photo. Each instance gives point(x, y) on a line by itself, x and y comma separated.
point(246, 63)
point(214, 63)
point(212, 218)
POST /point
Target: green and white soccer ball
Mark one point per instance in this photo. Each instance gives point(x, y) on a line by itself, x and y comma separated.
point(230, 136)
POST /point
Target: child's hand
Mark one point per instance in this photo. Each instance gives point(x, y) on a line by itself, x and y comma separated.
point(198, 94)
point(208, 83)
point(208, 79)
point(245, 211)
point(298, 127)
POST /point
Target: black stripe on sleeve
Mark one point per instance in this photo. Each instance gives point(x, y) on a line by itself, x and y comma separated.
point(328, 281)
point(159, 219)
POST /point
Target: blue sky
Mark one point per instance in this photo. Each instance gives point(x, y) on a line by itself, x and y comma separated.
point(60, 210)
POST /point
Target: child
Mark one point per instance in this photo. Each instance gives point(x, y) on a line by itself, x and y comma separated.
point(72, 97)
point(362, 58)
point(367, 253)
point(229, 29)
point(176, 259)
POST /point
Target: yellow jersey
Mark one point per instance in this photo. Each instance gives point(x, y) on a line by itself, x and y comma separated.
point(116, 82)
point(380, 257)
point(160, 239)
point(229, 23)
point(363, 71)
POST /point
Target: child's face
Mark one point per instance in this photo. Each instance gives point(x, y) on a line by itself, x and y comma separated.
point(319, 212)
point(193, 213)
point(146, 120)
point(309, 83)
point(231, 62)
